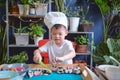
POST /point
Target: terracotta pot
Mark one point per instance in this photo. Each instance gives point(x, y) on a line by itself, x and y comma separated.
point(81, 48)
point(14, 10)
point(74, 44)
point(85, 27)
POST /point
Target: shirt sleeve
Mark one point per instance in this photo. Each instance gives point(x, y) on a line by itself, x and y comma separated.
point(44, 48)
point(69, 46)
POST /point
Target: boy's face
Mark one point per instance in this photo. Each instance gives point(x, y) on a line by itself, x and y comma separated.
point(58, 35)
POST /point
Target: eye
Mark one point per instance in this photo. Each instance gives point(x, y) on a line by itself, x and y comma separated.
point(60, 33)
point(53, 33)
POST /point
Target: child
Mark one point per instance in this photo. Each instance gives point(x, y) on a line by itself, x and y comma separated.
point(59, 49)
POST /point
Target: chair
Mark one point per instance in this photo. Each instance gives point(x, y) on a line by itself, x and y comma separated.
point(44, 54)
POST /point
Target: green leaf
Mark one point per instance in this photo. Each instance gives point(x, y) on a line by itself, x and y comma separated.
point(22, 57)
point(36, 30)
point(107, 58)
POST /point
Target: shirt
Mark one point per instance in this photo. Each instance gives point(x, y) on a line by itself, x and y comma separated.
point(56, 51)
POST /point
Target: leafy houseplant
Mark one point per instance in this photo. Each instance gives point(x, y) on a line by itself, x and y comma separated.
point(85, 24)
point(21, 35)
point(82, 43)
point(62, 6)
point(41, 7)
point(114, 48)
point(20, 29)
point(3, 47)
point(22, 57)
point(115, 6)
point(102, 48)
point(104, 9)
point(82, 39)
point(36, 31)
point(73, 14)
point(73, 11)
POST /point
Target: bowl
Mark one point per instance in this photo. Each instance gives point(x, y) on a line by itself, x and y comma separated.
point(113, 73)
point(17, 67)
point(9, 75)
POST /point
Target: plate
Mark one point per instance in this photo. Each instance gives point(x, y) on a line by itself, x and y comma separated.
point(8, 75)
point(104, 66)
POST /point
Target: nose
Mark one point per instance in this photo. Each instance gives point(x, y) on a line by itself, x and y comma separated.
point(56, 35)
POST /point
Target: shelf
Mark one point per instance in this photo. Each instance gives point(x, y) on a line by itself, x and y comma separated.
point(30, 45)
point(15, 18)
point(26, 16)
point(88, 53)
point(81, 32)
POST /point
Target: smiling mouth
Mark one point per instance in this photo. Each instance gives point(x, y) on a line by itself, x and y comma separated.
point(57, 39)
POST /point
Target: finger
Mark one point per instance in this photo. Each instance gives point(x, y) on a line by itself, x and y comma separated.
point(36, 59)
point(54, 61)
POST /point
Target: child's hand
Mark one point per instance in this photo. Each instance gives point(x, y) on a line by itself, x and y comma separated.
point(37, 58)
point(58, 59)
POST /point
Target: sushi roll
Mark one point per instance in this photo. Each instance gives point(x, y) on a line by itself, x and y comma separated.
point(68, 70)
point(60, 70)
point(46, 71)
point(37, 72)
point(29, 74)
point(77, 70)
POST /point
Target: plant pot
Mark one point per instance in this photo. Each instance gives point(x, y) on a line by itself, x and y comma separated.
point(41, 9)
point(74, 22)
point(36, 39)
point(23, 9)
point(14, 10)
point(81, 48)
point(32, 11)
point(21, 39)
point(85, 27)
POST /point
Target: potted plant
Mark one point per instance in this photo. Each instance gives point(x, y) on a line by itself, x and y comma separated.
point(85, 24)
point(82, 44)
point(36, 31)
point(74, 17)
point(24, 7)
point(21, 35)
point(115, 6)
point(41, 7)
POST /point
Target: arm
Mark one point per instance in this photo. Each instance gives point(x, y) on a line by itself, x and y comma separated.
point(37, 57)
point(70, 55)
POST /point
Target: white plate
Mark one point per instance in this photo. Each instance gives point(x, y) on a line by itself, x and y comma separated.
point(104, 66)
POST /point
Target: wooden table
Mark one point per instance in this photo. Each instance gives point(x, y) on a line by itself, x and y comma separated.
point(85, 72)
point(101, 74)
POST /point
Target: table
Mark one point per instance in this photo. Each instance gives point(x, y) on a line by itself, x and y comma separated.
point(86, 75)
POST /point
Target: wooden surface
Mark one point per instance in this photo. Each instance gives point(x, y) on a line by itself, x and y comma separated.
point(101, 74)
point(86, 76)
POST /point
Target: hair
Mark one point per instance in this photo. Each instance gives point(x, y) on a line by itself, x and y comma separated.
point(57, 26)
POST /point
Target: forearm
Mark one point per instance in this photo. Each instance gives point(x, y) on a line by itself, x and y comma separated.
point(37, 51)
point(37, 57)
point(70, 55)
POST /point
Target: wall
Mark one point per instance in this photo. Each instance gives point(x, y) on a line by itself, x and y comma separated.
point(96, 17)
point(93, 15)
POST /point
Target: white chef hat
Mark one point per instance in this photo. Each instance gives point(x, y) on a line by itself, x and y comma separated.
point(53, 18)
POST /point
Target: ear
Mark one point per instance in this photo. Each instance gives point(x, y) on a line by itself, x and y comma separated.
point(66, 32)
